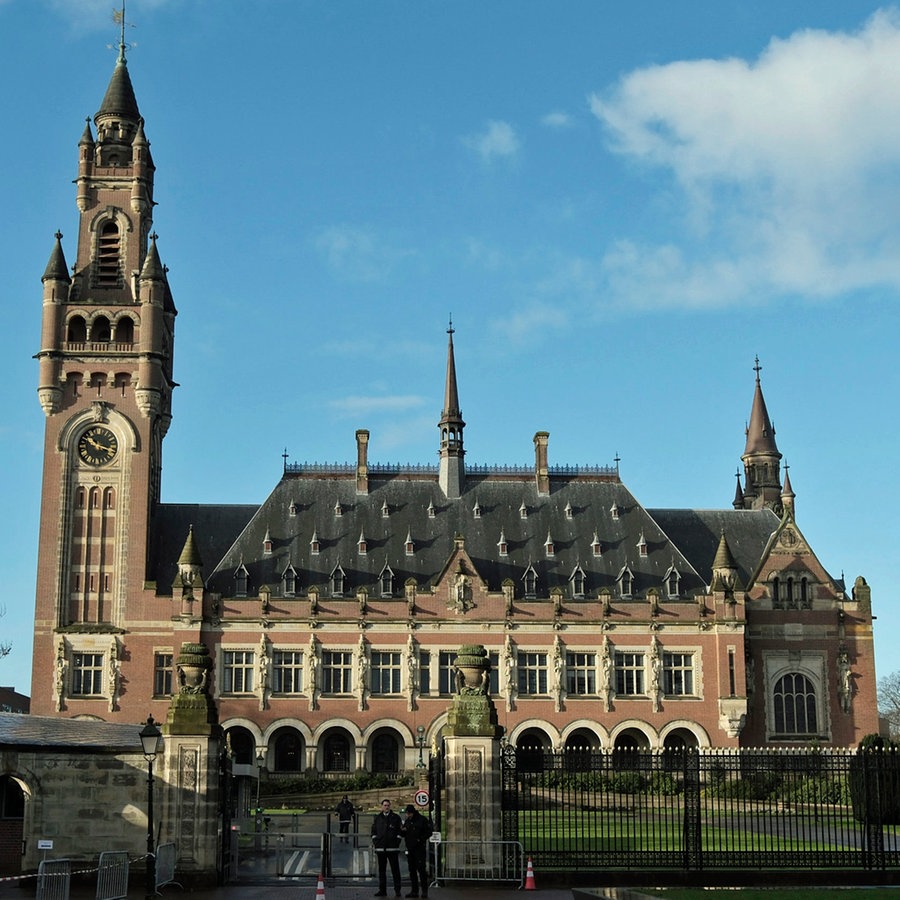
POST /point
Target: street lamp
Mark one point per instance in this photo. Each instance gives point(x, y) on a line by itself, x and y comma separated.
point(260, 759)
point(150, 740)
point(420, 740)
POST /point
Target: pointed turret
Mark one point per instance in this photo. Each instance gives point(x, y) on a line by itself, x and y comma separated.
point(57, 270)
point(724, 568)
point(188, 585)
point(738, 502)
point(787, 492)
point(190, 555)
point(452, 469)
point(119, 102)
point(762, 461)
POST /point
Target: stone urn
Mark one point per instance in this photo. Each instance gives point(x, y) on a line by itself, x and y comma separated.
point(472, 666)
point(194, 664)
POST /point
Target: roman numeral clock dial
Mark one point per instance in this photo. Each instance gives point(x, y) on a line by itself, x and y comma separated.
point(97, 446)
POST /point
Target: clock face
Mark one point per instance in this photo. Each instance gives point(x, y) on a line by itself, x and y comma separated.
point(97, 446)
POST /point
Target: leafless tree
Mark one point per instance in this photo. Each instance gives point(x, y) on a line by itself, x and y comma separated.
point(889, 701)
point(4, 647)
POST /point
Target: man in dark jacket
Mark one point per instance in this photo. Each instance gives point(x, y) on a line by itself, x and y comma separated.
point(417, 829)
point(345, 817)
point(386, 841)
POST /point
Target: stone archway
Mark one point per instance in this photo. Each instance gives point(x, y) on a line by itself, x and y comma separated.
point(12, 820)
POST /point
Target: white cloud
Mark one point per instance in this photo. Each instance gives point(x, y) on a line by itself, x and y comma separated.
point(556, 119)
point(789, 165)
point(497, 141)
point(358, 253)
point(360, 405)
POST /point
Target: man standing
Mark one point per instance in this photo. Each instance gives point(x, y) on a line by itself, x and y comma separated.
point(417, 829)
point(345, 817)
point(386, 841)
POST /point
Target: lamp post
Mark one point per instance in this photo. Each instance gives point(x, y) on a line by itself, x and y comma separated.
point(260, 759)
point(420, 740)
point(150, 738)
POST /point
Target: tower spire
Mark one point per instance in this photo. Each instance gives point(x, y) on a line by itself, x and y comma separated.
point(452, 470)
point(762, 461)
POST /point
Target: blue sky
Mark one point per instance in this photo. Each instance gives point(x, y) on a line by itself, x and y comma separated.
point(621, 204)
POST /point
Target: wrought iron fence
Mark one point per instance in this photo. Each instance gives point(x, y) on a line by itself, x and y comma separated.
point(703, 809)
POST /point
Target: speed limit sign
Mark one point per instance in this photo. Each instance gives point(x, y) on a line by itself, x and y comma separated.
point(422, 798)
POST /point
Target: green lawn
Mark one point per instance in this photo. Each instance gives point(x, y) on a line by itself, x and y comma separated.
point(773, 893)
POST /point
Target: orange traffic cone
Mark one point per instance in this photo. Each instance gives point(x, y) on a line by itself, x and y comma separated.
point(529, 877)
point(320, 888)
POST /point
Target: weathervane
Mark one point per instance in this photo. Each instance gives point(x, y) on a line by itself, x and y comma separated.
point(119, 18)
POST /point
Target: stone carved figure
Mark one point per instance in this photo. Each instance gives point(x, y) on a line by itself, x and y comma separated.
point(262, 672)
point(412, 673)
point(557, 689)
point(655, 670)
point(312, 673)
point(59, 676)
point(845, 687)
point(608, 686)
point(509, 670)
point(362, 673)
point(461, 593)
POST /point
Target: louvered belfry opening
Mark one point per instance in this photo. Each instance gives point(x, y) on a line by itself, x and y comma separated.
point(108, 267)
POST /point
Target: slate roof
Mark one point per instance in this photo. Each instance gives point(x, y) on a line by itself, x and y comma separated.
point(22, 731)
point(590, 501)
point(216, 527)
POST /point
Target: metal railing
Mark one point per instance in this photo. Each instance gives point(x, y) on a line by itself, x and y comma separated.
point(704, 809)
point(54, 879)
point(482, 861)
point(165, 865)
point(112, 875)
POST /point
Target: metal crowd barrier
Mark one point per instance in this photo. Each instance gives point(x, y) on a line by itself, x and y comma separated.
point(112, 875)
point(54, 879)
point(165, 865)
point(478, 861)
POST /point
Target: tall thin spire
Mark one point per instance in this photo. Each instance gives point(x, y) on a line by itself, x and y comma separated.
point(762, 461)
point(451, 471)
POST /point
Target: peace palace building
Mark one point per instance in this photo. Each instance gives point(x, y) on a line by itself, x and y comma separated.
point(333, 611)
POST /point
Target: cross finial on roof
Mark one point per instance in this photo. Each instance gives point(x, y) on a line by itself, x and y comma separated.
point(450, 329)
point(757, 368)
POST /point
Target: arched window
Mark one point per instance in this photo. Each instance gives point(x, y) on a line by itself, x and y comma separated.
point(384, 753)
point(101, 330)
point(76, 331)
point(795, 705)
point(107, 265)
point(337, 753)
point(125, 330)
point(288, 751)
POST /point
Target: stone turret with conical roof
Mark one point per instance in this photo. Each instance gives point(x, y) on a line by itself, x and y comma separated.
point(452, 467)
point(762, 461)
point(188, 585)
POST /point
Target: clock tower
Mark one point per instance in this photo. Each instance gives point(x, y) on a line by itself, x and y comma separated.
point(105, 386)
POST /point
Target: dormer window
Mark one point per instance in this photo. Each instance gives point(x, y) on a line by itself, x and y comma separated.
point(642, 545)
point(338, 580)
point(267, 543)
point(240, 581)
point(476, 510)
point(408, 544)
point(673, 579)
point(577, 583)
point(530, 579)
point(314, 544)
point(361, 544)
point(596, 546)
point(523, 511)
point(502, 546)
point(338, 509)
point(614, 510)
point(431, 510)
point(626, 582)
point(385, 510)
point(549, 547)
point(387, 582)
point(289, 581)
point(568, 511)
point(292, 509)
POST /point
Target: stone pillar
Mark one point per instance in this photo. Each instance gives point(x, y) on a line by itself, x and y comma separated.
point(191, 802)
point(472, 766)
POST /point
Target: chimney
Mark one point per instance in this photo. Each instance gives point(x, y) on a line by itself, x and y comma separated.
point(541, 473)
point(362, 461)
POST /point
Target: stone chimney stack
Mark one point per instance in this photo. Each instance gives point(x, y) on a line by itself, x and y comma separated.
point(541, 470)
point(362, 461)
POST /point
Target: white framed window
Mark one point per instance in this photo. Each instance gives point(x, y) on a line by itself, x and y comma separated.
point(629, 673)
point(577, 583)
point(424, 671)
point(87, 675)
point(385, 672)
point(287, 672)
point(678, 674)
point(387, 582)
point(337, 671)
point(446, 683)
point(237, 671)
point(162, 674)
point(581, 673)
point(530, 579)
point(532, 671)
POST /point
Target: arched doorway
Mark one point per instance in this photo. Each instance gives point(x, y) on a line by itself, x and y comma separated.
point(385, 752)
point(336, 751)
point(287, 747)
point(530, 747)
point(243, 747)
point(12, 818)
point(578, 748)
